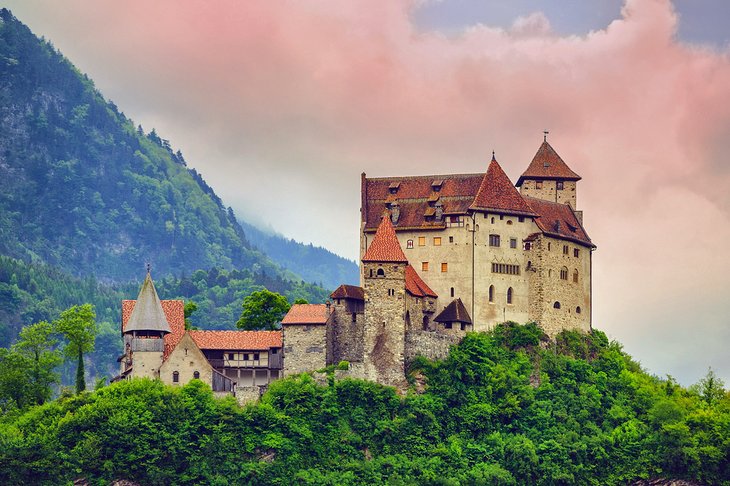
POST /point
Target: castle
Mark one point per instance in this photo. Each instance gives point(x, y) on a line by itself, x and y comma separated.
point(440, 255)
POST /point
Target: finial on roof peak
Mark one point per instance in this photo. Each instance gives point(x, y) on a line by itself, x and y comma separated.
point(149, 267)
point(544, 135)
point(493, 158)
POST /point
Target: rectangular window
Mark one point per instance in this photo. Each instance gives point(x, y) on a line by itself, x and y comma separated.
point(513, 242)
point(421, 241)
point(444, 267)
point(424, 266)
point(559, 185)
point(230, 356)
point(451, 239)
point(505, 268)
point(409, 244)
point(538, 184)
point(436, 241)
point(255, 356)
point(452, 291)
point(245, 356)
point(521, 219)
point(493, 240)
point(565, 249)
point(576, 252)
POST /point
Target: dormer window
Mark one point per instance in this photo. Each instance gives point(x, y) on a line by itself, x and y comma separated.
point(394, 186)
point(436, 185)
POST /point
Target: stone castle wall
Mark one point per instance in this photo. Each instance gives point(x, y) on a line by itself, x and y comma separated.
point(432, 345)
point(549, 191)
point(346, 333)
point(305, 347)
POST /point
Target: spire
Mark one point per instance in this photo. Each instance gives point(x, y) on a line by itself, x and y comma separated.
point(547, 164)
point(496, 193)
point(385, 246)
point(148, 314)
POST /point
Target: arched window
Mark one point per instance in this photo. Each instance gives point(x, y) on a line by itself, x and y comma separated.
point(175, 377)
point(491, 293)
point(564, 273)
point(196, 375)
point(409, 244)
point(452, 291)
point(577, 310)
point(575, 275)
point(556, 305)
point(381, 272)
point(509, 295)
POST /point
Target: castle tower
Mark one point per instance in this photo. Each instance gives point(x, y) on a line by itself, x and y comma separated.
point(384, 282)
point(549, 178)
point(145, 331)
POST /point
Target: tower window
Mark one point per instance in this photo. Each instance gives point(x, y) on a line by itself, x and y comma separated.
point(380, 272)
point(424, 266)
point(494, 240)
point(175, 377)
point(556, 305)
point(409, 244)
point(196, 375)
point(492, 220)
point(565, 249)
point(575, 275)
point(576, 252)
point(559, 185)
point(538, 184)
point(452, 291)
point(577, 310)
point(509, 295)
point(421, 241)
point(491, 293)
point(451, 239)
point(436, 241)
point(513, 242)
point(521, 219)
point(444, 267)
point(564, 273)
point(549, 246)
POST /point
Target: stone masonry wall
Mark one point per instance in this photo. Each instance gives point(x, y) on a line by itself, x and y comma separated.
point(346, 334)
point(186, 359)
point(384, 331)
point(305, 348)
point(549, 191)
point(432, 345)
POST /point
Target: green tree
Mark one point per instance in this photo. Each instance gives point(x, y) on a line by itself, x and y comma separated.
point(301, 301)
point(263, 310)
point(711, 388)
point(36, 344)
point(190, 307)
point(77, 324)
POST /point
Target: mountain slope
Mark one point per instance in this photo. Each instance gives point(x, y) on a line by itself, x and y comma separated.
point(312, 263)
point(83, 189)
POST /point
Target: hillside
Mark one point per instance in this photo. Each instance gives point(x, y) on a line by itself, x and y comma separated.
point(504, 408)
point(312, 263)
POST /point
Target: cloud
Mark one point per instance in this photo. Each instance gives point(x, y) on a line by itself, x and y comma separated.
point(281, 105)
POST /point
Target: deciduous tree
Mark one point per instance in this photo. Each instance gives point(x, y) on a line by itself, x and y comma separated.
point(263, 310)
point(77, 324)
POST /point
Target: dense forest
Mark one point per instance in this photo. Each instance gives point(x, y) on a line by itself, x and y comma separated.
point(506, 407)
point(312, 263)
point(87, 199)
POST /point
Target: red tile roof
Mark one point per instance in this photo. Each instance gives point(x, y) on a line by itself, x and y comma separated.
point(385, 246)
point(237, 340)
point(415, 284)
point(547, 164)
point(558, 220)
point(306, 314)
point(456, 194)
point(496, 193)
point(348, 292)
point(175, 314)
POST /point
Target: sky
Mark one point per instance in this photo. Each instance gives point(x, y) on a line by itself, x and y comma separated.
point(280, 105)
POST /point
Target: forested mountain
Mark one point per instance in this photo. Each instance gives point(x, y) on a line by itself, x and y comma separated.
point(505, 408)
point(312, 263)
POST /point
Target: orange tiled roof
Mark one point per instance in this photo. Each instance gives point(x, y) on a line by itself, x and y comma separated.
point(174, 312)
point(558, 220)
point(348, 292)
point(547, 164)
point(237, 340)
point(496, 193)
point(385, 246)
point(306, 314)
point(415, 284)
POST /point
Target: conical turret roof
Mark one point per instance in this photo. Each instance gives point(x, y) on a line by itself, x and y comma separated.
point(385, 246)
point(148, 314)
point(496, 193)
point(547, 164)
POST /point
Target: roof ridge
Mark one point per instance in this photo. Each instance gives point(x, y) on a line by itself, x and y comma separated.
point(496, 192)
point(547, 164)
point(385, 246)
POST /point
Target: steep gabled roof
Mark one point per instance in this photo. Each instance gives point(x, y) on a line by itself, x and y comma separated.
point(306, 314)
point(385, 246)
point(547, 164)
point(148, 314)
point(415, 284)
point(237, 340)
point(559, 220)
point(496, 193)
point(454, 312)
point(348, 292)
